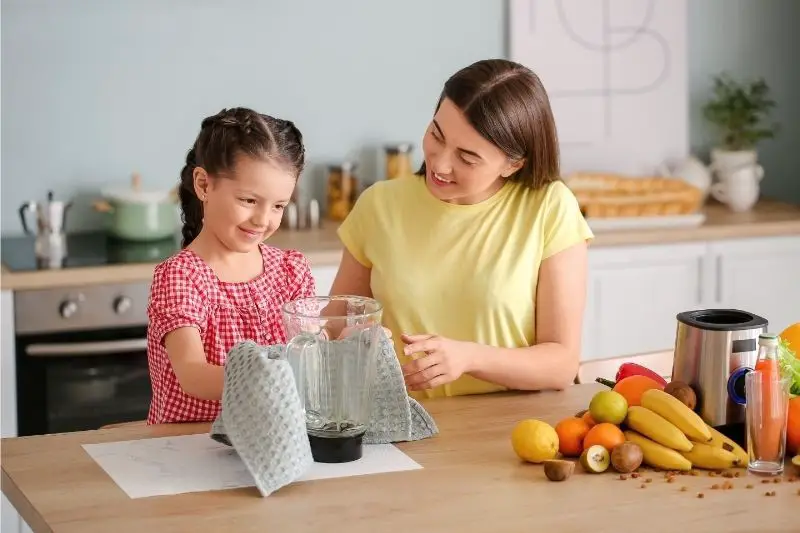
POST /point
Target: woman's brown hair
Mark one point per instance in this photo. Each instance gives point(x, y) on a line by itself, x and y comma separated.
point(224, 136)
point(507, 104)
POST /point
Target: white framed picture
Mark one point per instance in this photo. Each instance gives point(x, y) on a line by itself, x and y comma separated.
point(616, 75)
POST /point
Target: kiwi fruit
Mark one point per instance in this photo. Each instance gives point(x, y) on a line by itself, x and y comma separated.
point(682, 391)
point(558, 469)
point(626, 457)
point(595, 459)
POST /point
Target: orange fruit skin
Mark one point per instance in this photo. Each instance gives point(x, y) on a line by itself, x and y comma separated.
point(793, 428)
point(792, 335)
point(633, 387)
point(587, 417)
point(605, 434)
point(571, 432)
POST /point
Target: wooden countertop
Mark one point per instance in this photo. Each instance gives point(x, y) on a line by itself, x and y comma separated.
point(323, 248)
point(471, 481)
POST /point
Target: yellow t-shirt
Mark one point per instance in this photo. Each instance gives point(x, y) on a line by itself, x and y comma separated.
point(465, 272)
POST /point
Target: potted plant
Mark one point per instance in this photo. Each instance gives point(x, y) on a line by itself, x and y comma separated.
point(739, 110)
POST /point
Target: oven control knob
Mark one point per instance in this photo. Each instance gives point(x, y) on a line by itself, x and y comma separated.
point(122, 304)
point(68, 308)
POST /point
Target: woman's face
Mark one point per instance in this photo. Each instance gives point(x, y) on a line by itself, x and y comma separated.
point(462, 167)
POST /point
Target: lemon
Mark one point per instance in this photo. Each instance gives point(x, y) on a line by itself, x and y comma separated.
point(534, 441)
point(796, 460)
point(608, 406)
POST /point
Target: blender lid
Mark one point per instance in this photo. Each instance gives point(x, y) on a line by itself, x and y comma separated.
point(722, 319)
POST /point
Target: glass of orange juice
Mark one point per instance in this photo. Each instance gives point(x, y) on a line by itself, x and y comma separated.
point(766, 421)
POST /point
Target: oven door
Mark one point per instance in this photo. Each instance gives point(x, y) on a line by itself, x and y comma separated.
point(81, 380)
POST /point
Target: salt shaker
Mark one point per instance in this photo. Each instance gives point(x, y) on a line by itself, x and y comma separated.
point(313, 214)
point(290, 216)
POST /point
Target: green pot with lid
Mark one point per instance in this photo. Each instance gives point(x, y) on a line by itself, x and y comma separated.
point(136, 214)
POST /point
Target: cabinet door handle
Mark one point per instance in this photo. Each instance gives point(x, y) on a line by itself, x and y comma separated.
point(718, 277)
point(86, 348)
point(700, 280)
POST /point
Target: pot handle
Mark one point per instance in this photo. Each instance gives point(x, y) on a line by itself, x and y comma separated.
point(103, 206)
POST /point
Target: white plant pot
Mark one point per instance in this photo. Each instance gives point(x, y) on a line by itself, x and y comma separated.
point(726, 161)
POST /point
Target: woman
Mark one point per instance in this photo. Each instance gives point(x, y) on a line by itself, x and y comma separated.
point(480, 259)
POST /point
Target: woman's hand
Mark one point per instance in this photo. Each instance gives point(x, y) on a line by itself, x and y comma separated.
point(445, 360)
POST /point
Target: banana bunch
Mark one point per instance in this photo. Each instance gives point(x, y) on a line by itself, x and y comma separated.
point(673, 437)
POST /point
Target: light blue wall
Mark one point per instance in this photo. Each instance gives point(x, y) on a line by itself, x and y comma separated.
point(93, 90)
point(751, 38)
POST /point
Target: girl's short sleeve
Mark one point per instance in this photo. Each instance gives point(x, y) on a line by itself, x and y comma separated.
point(564, 224)
point(176, 301)
point(354, 231)
point(299, 278)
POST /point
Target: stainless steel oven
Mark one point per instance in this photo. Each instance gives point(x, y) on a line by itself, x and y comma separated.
point(81, 357)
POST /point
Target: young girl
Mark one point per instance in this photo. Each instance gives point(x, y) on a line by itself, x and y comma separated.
point(225, 285)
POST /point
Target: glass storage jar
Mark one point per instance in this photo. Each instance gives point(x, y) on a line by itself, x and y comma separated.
point(398, 160)
point(342, 190)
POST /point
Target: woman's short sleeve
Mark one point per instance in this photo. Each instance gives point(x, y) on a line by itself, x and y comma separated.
point(176, 301)
point(354, 231)
point(299, 278)
point(564, 224)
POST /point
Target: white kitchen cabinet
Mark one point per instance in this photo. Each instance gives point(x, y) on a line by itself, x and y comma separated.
point(323, 278)
point(634, 293)
point(761, 276)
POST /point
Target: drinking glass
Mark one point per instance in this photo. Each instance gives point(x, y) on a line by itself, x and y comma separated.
point(766, 421)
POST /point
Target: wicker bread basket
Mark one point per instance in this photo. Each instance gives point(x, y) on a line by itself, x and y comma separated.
point(608, 195)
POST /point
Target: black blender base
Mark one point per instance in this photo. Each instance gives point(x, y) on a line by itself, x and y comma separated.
point(336, 449)
point(735, 432)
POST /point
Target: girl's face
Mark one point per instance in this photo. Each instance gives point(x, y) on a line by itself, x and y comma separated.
point(462, 167)
point(246, 208)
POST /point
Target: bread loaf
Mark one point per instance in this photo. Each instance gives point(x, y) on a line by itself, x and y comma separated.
point(609, 195)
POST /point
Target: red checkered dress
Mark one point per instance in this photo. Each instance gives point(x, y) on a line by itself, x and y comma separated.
point(186, 292)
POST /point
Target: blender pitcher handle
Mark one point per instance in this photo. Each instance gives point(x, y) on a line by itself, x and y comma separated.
point(298, 350)
point(22, 210)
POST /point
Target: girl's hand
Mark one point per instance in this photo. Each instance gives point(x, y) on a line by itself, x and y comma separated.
point(445, 360)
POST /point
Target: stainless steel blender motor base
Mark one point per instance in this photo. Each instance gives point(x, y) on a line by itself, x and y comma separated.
point(336, 449)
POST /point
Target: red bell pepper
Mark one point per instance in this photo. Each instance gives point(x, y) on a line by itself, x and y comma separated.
point(632, 369)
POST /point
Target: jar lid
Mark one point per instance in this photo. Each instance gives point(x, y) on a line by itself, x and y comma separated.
point(135, 194)
point(768, 339)
point(346, 166)
point(398, 148)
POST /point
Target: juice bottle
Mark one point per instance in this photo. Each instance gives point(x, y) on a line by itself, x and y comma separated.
point(768, 439)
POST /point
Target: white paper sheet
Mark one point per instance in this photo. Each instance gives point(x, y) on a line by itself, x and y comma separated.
point(195, 463)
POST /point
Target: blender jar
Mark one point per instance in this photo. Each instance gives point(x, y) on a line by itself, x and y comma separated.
point(333, 352)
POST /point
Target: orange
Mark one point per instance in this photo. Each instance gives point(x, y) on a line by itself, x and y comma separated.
point(792, 336)
point(632, 388)
point(571, 432)
point(793, 429)
point(587, 417)
point(605, 434)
